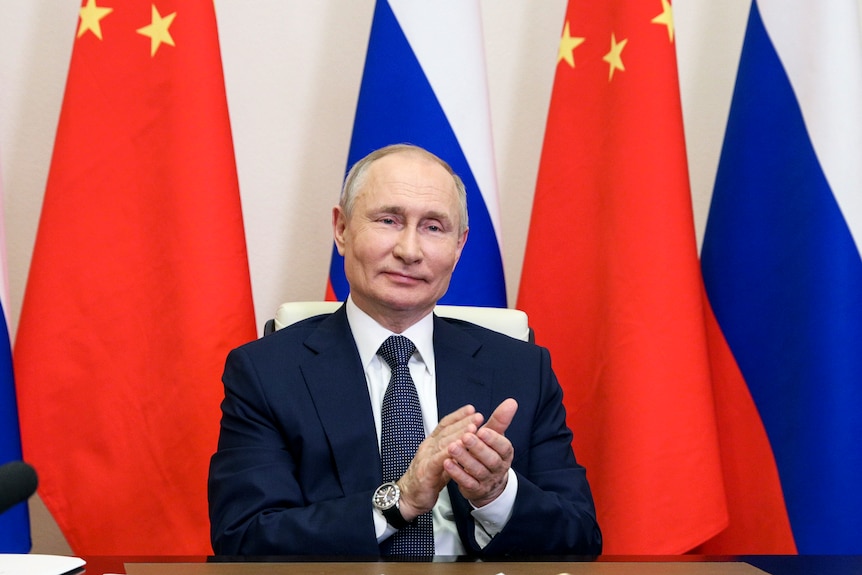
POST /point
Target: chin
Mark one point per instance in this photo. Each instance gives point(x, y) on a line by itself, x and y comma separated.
point(399, 302)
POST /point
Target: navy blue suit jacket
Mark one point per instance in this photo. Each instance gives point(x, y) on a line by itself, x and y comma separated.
point(298, 456)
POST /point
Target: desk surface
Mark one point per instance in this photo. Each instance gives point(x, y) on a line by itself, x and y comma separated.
point(510, 568)
point(605, 565)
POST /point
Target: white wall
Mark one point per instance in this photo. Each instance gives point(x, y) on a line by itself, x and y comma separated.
point(292, 69)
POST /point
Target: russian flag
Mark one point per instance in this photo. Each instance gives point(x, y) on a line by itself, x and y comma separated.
point(15, 522)
point(781, 256)
point(424, 83)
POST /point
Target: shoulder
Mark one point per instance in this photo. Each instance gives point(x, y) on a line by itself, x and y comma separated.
point(307, 336)
point(451, 332)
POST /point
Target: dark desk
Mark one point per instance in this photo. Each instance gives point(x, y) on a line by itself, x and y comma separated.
point(605, 565)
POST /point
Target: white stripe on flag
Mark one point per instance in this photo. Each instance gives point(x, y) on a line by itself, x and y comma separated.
point(828, 84)
point(424, 23)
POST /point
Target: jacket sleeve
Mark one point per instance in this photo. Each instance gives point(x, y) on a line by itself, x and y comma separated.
point(554, 513)
point(260, 502)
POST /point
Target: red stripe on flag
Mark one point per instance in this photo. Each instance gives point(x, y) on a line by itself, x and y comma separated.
point(758, 515)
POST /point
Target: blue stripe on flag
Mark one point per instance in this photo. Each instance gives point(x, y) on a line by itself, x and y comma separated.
point(15, 522)
point(397, 104)
point(785, 280)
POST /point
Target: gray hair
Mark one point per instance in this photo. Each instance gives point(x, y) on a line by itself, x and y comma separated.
point(356, 178)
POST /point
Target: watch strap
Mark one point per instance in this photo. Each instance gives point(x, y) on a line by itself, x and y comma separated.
point(394, 518)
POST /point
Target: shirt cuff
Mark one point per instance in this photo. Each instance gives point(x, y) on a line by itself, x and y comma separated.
point(492, 518)
point(382, 529)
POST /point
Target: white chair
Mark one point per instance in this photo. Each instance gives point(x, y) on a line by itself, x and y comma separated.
point(511, 322)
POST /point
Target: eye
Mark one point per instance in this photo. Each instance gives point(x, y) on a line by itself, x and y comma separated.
point(434, 225)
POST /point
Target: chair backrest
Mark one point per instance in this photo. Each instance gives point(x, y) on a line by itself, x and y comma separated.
point(511, 322)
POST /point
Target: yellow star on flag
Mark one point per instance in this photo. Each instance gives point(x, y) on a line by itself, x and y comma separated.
point(614, 57)
point(567, 47)
point(91, 16)
point(665, 18)
point(158, 31)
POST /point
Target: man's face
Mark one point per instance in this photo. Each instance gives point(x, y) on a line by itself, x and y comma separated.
point(402, 241)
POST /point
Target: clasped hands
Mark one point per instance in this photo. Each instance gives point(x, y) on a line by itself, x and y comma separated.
point(477, 457)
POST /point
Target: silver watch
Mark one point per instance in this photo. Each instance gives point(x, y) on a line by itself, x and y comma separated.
point(386, 499)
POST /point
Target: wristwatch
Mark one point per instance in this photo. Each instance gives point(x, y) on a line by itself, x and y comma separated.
point(386, 499)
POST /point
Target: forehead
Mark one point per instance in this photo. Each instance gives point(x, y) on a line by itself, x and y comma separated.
point(409, 177)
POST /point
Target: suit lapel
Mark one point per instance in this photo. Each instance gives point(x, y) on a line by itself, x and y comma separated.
point(459, 379)
point(336, 382)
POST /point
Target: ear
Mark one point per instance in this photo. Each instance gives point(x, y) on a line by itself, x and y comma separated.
point(339, 227)
point(460, 248)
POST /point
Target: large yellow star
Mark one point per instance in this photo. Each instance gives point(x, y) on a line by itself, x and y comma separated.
point(567, 47)
point(158, 31)
point(665, 18)
point(614, 57)
point(91, 15)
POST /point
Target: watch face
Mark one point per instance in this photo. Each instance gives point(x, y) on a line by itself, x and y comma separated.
point(386, 496)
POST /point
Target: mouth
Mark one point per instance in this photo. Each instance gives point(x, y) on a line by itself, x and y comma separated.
point(401, 278)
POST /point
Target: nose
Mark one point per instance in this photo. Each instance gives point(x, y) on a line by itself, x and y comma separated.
point(408, 247)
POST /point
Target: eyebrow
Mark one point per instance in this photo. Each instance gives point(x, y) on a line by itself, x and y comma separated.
point(398, 210)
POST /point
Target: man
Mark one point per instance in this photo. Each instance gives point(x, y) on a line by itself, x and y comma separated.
point(305, 433)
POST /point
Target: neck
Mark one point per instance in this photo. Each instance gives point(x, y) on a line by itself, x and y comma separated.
point(396, 321)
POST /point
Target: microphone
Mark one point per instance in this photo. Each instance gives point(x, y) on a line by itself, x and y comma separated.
point(18, 482)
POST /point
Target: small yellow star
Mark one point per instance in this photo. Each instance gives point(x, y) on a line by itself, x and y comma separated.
point(614, 57)
point(567, 47)
point(665, 18)
point(157, 31)
point(91, 15)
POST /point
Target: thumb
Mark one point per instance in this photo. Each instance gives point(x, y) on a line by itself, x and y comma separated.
point(502, 416)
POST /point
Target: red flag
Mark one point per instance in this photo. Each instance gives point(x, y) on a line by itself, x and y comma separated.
point(612, 284)
point(139, 283)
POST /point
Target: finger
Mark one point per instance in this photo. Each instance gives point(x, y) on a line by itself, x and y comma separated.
point(459, 414)
point(457, 423)
point(479, 488)
point(476, 458)
point(499, 445)
point(470, 461)
point(442, 437)
point(465, 481)
point(502, 416)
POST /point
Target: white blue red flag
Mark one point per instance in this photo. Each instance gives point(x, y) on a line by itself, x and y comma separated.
point(781, 257)
point(424, 83)
point(15, 522)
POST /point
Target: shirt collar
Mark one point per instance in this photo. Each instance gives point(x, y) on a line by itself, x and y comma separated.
point(369, 335)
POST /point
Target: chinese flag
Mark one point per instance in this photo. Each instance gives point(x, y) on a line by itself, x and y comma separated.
point(612, 285)
point(139, 283)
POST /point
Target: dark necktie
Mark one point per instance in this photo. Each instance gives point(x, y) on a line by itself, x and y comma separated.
point(401, 433)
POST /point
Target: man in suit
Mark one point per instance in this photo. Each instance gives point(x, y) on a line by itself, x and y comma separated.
point(303, 441)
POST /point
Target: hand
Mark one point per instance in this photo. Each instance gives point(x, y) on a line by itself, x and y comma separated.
point(479, 461)
point(426, 477)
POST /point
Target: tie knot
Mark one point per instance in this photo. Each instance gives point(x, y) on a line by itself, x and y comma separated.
point(396, 350)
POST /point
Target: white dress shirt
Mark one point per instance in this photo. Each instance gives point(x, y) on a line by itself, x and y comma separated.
point(369, 335)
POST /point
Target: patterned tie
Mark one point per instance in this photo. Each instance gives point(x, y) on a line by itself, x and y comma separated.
point(401, 433)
